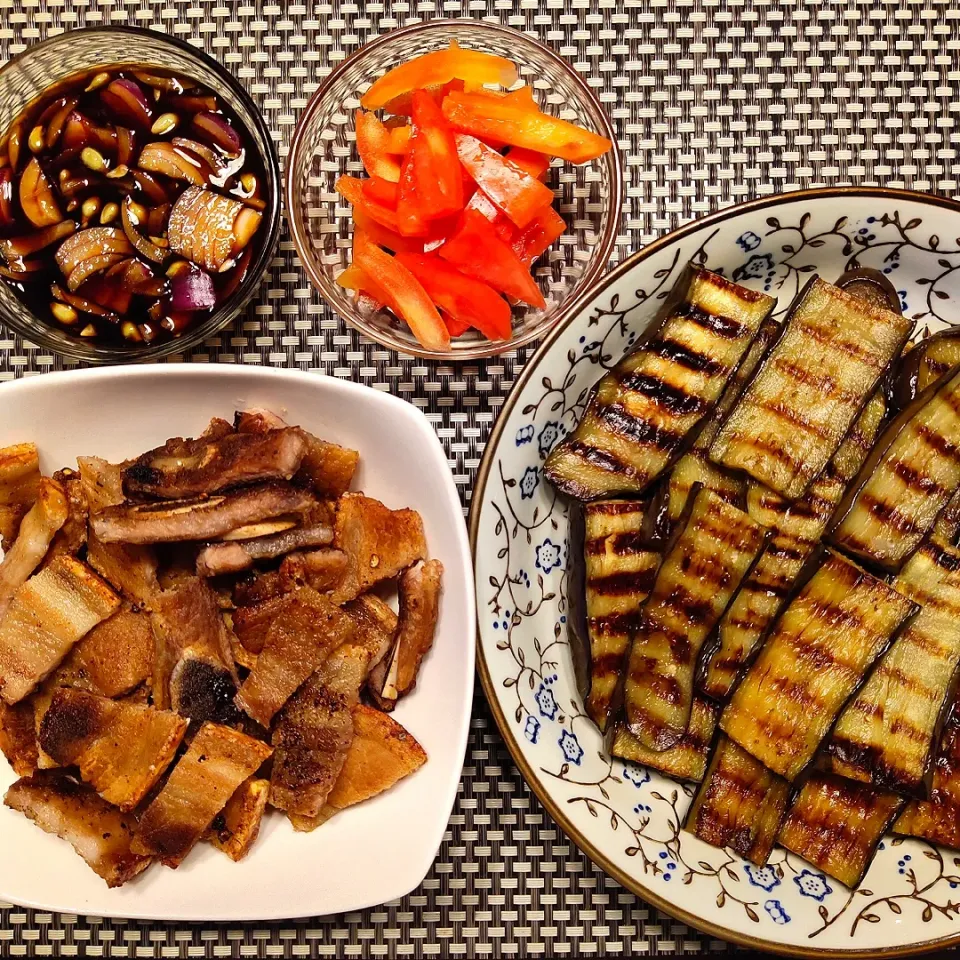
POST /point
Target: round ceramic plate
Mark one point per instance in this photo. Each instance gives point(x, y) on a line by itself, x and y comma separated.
point(625, 817)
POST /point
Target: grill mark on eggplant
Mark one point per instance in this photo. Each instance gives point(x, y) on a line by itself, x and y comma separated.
point(616, 508)
point(670, 397)
point(622, 544)
point(888, 514)
point(848, 347)
point(601, 459)
point(782, 412)
point(914, 479)
point(725, 327)
point(941, 556)
point(617, 419)
point(626, 582)
point(615, 623)
point(684, 356)
point(810, 378)
point(935, 441)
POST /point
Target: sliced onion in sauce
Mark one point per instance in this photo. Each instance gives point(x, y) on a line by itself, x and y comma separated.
point(192, 290)
point(162, 158)
point(125, 97)
point(218, 130)
point(29, 243)
point(141, 244)
point(82, 304)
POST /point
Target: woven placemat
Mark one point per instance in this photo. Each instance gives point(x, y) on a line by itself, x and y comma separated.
point(714, 101)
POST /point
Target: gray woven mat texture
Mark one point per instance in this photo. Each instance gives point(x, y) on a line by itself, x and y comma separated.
point(714, 101)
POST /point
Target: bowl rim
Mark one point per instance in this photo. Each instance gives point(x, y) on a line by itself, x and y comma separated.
point(258, 267)
point(476, 504)
point(606, 241)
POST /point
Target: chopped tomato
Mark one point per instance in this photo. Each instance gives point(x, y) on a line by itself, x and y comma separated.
point(477, 250)
point(520, 196)
point(434, 182)
point(384, 237)
point(538, 235)
point(404, 294)
point(357, 279)
point(465, 299)
point(522, 127)
point(351, 189)
point(373, 145)
point(437, 68)
point(399, 140)
point(381, 191)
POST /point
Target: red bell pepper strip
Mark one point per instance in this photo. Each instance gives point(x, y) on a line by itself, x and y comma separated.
point(410, 220)
point(457, 328)
point(536, 164)
point(351, 189)
point(477, 250)
point(381, 191)
point(437, 68)
point(466, 300)
point(399, 140)
point(373, 142)
point(356, 279)
point(383, 237)
point(402, 106)
point(538, 235)
point(522, 97)
point(404, 294)
point(437, 182)
point(522, 127)
point(512, 190)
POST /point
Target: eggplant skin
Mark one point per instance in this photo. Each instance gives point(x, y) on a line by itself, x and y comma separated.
point(809, 389)
point(937, 819)
point(686, 759)
point(926, 363)
point(836, 825)
point(797, 528)
point(645, 410)
point(912, 473)
point(698, 576)
point(740, 804)
point(816, 656)
point(620, 572)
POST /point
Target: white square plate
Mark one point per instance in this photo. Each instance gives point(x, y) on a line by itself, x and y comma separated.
point(376, 851)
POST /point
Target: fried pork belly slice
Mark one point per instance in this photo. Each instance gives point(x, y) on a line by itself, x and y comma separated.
point(218, 760)
point(189, 468)
point(130, 568)
point(204, 518)
point(378, 542)
point(236, 555)
point(19, 483)
point(100, 833)
point(321, 570)
point(18, 737)
point(326, 467)
point(314, 732)
point(194, 672)
point(376, 626)
point(121, 748)
point(71, 538)
point(37, 530)
point(236, 827)
point(420, 587)
point(252, 623)
point(48, 615)
point(114, 658)
point(304, 632)
point(381, 754)
point(255, 588)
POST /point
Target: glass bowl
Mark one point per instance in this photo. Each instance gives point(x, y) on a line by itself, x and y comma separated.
point(324, 147)
point(30, 74)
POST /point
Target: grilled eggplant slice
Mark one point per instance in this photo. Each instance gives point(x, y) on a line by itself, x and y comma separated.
point(947, 527)
point(620, 570)
point(836, 824)
point(797, 528)
point(739, 804)
point(906, 481)
point(871, 285)
point(700, 573)
point(642, 412)
point(937, 818)
point(810, 389)
point(925, 364)
point(695, 466)
point(816, 656)
point(686, 759)
point(887, 733)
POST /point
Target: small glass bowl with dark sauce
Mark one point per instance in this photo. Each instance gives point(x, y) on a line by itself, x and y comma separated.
point(139, 195)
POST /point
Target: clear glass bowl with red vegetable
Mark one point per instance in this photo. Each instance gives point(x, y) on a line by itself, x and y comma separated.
point(452, 187)
point(139, 195)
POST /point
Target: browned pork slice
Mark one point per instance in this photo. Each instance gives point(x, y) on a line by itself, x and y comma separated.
point(203, 518)
point(322, 570)
point(121, 748)
point(236, 827)
point(189, 468)
point(378, 542)
point(194, 673)
point(37, 530)
point(235, 555)
point(206, 777)
point(314, 733)
point(304, 632)
point(100, 833)
point(326, 467)
point(71, 538)
point(252, 623)
point(19, 482)
point(381, 754)
point(18, 736)
point(48, 615)
point(115, 657)
point(376, 626)
point(130, 568)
